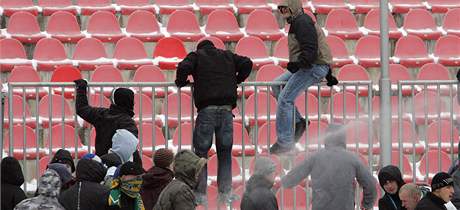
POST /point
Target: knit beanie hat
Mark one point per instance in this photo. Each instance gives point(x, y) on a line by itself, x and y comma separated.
point(131, 168)
point(264, 166)
point(440, 180)
point(163, 158)
point(64, 156)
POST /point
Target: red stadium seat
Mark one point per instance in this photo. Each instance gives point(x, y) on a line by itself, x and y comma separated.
point(326, 6)
point(340, 55)
point(208, 6)
point(360, 138)
point(345, 107)
point(183, 24)
point(442, 6)
point(451, 24)
point(447, 49)
point(435, 71)
point(89, 7)
point(147, 162)
point(144, 26)
point(223, 24)
point(260, 113)
point(411, 52)
point(130, 53)
point(364, 6)
point(431, 158)
point(26, 74)
point(247, 6)
point(106, 74)
point(353, 72)
point(254, 48)
point(12, 6)
point(151, 139)
point(266, 73)
point(399, 72)
point(405, 166)
point(368, 51)
point(43, 164)
point(64, 26)
point(218, 43)
point(98, 100)
point(420, 22)
point(89, 54)
point(151, 73)
point(51, 6)
point(266, 136)
point(143, 105)
point(50, 54)
point(172, 106)
point(104, 26)
point(12, 54)
point(169, 51)
point(281, 51)
point(127, 7)
point(58, 115)
point(292, 198)
point(65, 74)
point(342, 23)
point(169, 6)
point(316, 132)
point(426, 106)
point(64, 137)
point(24, 143)
point(410, 143)
point(404, 6)
point(445, 133)
point(24, 27)
point(372, 24)
point(394, 108)
point(311, 105)
point(20, 108)
point(262, 23)
point(240, 133)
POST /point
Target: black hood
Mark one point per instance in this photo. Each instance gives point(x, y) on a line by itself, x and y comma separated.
point(90, 170)
point(258, 181)
point(11, 171)
point(390, 173)
point(156, 177)
point(63, 156)
point(111, 159)
point(205, 44)
point(123, 98)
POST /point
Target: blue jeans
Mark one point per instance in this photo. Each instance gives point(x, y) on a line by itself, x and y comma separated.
point(216, 120)
point(296, 84)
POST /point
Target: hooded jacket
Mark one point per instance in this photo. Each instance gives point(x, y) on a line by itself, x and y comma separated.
point(63, 156)
point(124, 144)
point(454, 171)
point(259, 195)
point(49, 186)
point(306, 40)
point(12, 179)
point(87, 193)
point(178, 194)
point(213, 69)
point(155, 180)
point(431, 202)
point(333, 170)
point(390, 201)
point(107, 120)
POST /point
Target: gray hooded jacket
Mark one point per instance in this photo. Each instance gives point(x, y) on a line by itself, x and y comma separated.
point(124, 144)
point(333, 171)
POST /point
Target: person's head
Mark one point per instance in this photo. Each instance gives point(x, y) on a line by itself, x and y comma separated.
point(188, 166)
point(111, 160)
point(205, 44)
point(130, 179)
point(124, 98)
point(130, 170)
point(163, 158)
point(442, 186)
point(64, 173)
point(64, 156)
point(290, 8)
point(265, 167)
point(11, 171)
point(124, 144)
point(90, 170)
point(410, 195)
point(49, 184)
point(390, 179)
point(335, 136)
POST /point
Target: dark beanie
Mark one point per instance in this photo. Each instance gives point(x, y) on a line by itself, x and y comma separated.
point(204, 43)
point(63, 156)
point(440, 180)
point(124, 97)
point(111, 159)
point(163, 158)
point(90, 170)
point(130, 168)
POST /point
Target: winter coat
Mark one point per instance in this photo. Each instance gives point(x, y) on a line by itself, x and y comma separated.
point(124, 144)
point(63, 156)
point(306, 40)
point(155, 180)
point(87, 193)
point(107, 120)
point(390, 201)
point(431, 202)
point(49, 186)
point(178, 194)
point(259, 195)
point(454, 171)
point(216, 70)
point(333, 170)
point(12, 179)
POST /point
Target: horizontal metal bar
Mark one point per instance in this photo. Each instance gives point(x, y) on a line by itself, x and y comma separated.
point(427, 82)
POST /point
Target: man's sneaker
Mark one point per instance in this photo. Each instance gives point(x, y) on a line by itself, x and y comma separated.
point(201, 199)
point(277, 149)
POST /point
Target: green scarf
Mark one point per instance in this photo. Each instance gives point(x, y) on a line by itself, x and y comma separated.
point(131, 188)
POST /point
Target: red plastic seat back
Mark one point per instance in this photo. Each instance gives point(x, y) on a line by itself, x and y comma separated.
point(11, 48)
point(49, 49)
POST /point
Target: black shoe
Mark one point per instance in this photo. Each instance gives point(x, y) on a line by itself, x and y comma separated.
point(300, 129)
point(278, 149)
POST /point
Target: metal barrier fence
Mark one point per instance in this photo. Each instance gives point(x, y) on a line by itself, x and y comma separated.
point(159, 109)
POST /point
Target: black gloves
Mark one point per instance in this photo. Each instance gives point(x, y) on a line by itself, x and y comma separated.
point(80, 83)
point(331, 80)
point(180, 84)
point(458, 75)
point(293, 67)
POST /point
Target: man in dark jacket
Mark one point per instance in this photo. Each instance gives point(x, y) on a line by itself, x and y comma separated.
point(87, 193)
point(216, 74)
point(107, 121)
point(178, 194)
point(309, 60)
point(454, 171)
point(441, 193)
point(391, 181)
point(157, 177)
point(259, 194)
point(63, 156)
point(12, 179)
